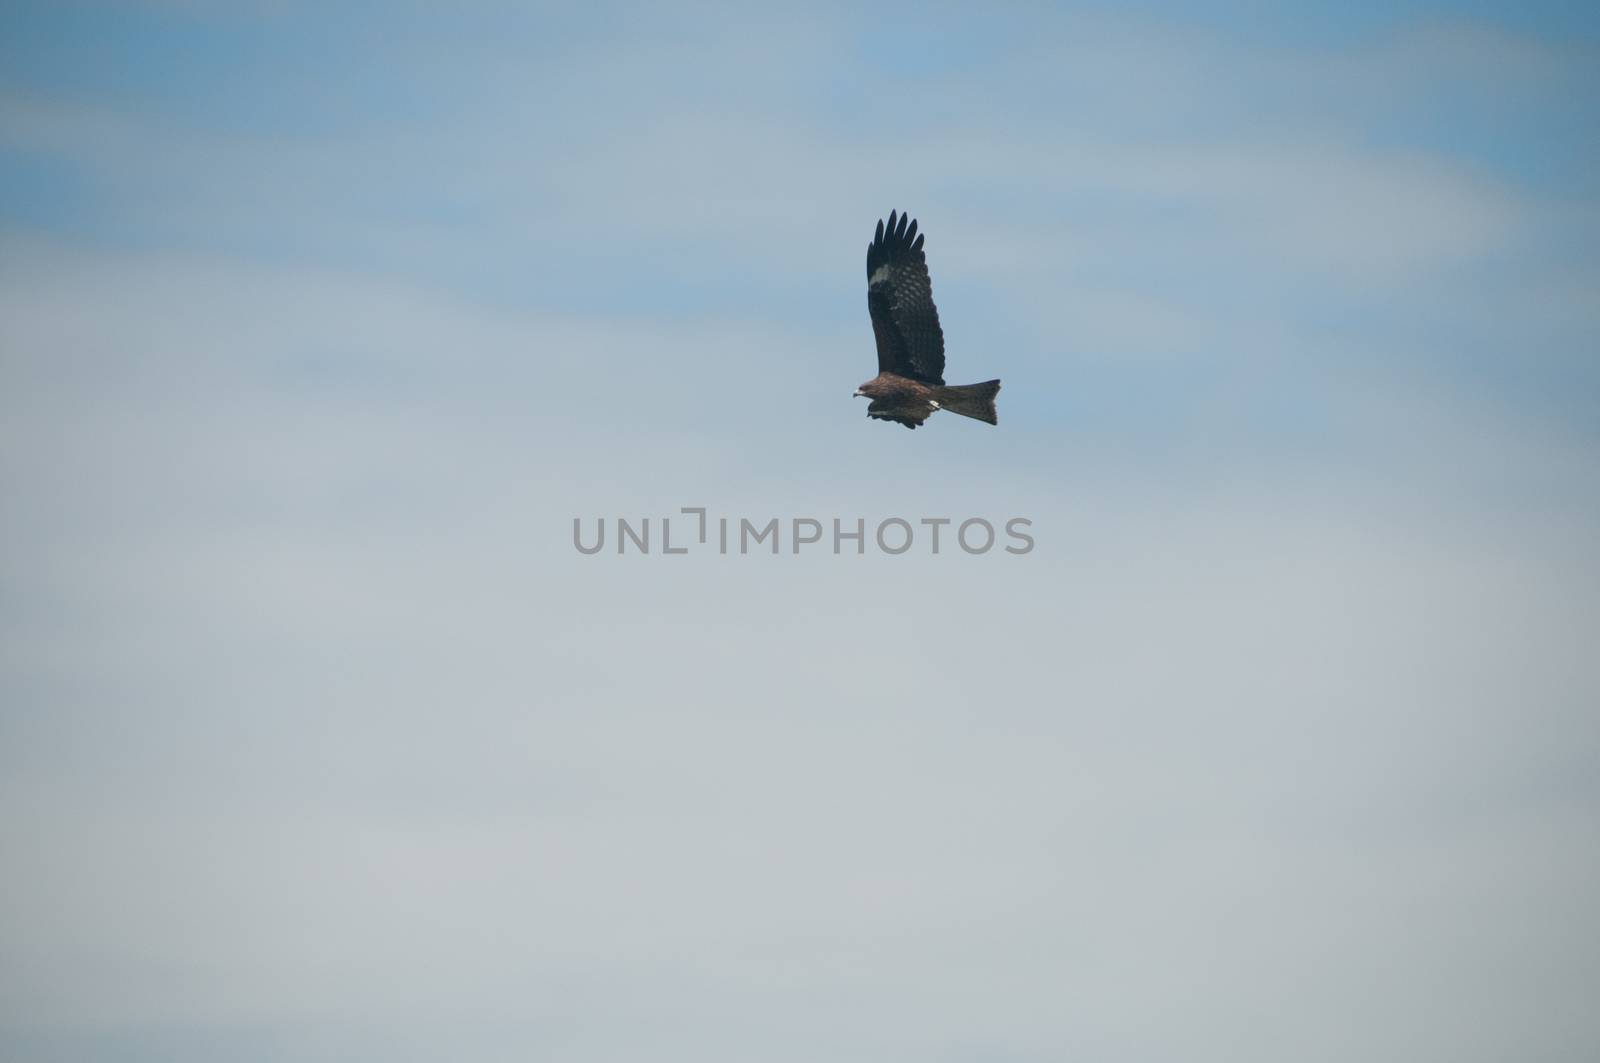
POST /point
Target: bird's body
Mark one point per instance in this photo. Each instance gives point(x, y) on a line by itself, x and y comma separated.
point(910, 401)
point(910, 385)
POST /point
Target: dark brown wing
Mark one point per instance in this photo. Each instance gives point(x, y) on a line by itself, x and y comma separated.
point(910, 416)
point(900, 299)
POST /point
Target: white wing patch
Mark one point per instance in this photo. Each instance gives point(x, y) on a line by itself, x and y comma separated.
point(879, 274)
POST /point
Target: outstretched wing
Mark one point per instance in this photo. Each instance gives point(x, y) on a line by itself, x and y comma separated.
point(900, 299)
point(910, 416)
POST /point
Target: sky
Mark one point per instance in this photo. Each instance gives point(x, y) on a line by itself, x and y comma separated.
point(320, 741)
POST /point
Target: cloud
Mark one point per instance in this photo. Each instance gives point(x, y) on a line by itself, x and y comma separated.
point(328, 723)
point(320, 740)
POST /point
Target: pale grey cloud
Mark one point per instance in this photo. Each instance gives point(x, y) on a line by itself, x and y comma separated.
point(328, 724)
point(321, 741)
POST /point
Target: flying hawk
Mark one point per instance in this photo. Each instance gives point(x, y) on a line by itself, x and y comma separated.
point(910, 382)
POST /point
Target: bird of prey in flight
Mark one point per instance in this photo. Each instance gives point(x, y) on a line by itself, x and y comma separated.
point(910, 383)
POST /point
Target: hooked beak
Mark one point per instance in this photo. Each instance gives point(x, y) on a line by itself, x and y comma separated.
point(858, 394)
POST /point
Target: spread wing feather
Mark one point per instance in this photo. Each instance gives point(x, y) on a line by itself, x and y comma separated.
point(910, 416)
point(900, 299)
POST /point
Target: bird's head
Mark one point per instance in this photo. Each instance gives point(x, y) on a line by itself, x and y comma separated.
point(869, 390)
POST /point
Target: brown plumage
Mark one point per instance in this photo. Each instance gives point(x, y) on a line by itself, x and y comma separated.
point(910, 382)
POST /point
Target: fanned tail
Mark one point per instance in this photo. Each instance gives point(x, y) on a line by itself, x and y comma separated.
point(972, 400)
